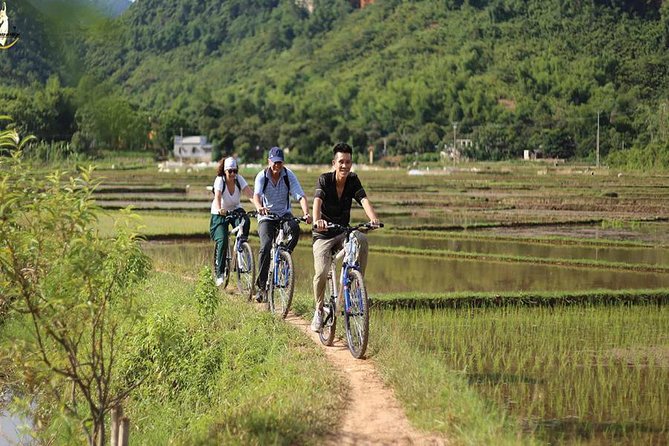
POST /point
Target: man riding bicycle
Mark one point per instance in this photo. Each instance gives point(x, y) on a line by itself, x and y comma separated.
point(273, 188)
point(334, 195)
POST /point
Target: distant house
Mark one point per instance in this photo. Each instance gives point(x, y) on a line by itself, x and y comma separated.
point(192, 148)
point(454, 152)
point(309, 4)
point(306, 4)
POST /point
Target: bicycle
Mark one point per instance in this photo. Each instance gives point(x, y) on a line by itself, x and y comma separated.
point(280, 276)
point(241, 263)
point(352, 286)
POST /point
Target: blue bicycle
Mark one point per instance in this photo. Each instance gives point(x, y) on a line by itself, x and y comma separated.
point(281, 276)
point(351, 287)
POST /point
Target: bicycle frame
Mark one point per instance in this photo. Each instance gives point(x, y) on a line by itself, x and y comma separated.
point(350, 254)
point(236, 231)
point(277, 247)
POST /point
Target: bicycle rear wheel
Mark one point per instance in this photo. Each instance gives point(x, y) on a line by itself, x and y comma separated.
point(282, 286)
point(246, 271)
point(356, 317)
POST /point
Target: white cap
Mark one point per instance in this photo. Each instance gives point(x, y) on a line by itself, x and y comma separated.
point(230, 163)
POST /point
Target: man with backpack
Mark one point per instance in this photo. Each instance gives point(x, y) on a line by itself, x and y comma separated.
point(273, 188)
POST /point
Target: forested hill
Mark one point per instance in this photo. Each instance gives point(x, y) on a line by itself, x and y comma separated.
point(508, 74)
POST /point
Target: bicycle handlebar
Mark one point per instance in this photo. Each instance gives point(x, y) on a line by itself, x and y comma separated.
point(235, 213)
point(274, 216)
point(366, 226)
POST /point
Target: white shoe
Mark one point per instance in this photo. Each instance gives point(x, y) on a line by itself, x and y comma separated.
point(219, 281)
point(317, 322)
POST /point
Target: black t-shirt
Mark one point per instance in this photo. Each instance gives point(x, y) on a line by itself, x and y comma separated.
point(334, 209)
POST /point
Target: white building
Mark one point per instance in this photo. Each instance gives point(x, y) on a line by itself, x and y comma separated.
point(192, 148)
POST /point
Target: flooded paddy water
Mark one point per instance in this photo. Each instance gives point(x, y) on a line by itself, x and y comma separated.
point(399, 273)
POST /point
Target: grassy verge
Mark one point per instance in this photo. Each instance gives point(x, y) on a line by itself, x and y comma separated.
point(242, 378)
point(438, 398)
point(541, 299)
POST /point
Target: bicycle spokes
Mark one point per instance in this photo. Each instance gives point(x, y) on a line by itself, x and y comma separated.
point(282, 284)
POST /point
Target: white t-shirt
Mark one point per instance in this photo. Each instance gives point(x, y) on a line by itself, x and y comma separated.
point(230, 202)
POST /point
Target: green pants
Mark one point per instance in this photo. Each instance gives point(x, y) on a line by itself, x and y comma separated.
point(218, 230)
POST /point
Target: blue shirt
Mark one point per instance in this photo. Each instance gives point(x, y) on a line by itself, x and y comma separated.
point(275, 197)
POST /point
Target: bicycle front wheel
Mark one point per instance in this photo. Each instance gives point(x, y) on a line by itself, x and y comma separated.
point(327, 333)
point(246, 271)
point(356, 317)
point(281, 293)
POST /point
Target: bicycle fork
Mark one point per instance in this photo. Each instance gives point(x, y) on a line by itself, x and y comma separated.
point(330, 307)
point(346, 281)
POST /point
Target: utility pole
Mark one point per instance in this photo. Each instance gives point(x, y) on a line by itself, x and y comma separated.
point(598, 138)
point(455, 128)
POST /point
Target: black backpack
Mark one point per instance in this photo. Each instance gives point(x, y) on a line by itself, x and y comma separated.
point(225, 188)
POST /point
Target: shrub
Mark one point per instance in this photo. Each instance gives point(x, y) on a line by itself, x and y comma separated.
point(206, 294)
point(69, 287)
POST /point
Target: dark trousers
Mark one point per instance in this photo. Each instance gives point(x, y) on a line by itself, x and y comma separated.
point(266, 231)
point(218, 230)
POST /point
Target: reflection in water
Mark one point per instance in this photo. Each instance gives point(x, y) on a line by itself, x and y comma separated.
point(656, 233)
point(401, 273)
point(11, 426)
point(651, 256)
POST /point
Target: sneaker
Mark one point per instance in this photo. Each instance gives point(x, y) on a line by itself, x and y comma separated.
point(317, 322)
point(260, 297)
point(219, 281)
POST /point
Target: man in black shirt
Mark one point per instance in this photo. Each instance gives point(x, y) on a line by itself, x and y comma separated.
point(334, 195)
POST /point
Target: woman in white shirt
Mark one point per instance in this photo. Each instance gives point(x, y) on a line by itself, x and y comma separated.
point(228, 189)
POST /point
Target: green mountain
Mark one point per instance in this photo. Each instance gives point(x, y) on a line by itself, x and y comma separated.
point(509, 75)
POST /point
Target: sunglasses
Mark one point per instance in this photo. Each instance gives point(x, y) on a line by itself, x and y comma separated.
point(232, 170)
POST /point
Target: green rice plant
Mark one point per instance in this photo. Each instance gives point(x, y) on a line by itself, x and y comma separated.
point(582, 373)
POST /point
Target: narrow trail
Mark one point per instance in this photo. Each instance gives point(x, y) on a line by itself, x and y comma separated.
point(372, 416)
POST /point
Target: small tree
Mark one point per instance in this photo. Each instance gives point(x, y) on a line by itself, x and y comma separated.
point(70, 286)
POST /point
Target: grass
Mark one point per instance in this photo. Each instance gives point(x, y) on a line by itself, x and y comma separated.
point(158, 223)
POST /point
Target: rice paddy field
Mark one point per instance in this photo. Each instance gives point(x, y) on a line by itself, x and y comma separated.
point(542, 291)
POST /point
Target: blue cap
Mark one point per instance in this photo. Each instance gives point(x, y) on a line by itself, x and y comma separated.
point(275, 155)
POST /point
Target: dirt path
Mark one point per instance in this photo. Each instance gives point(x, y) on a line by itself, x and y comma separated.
point(370, 400)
